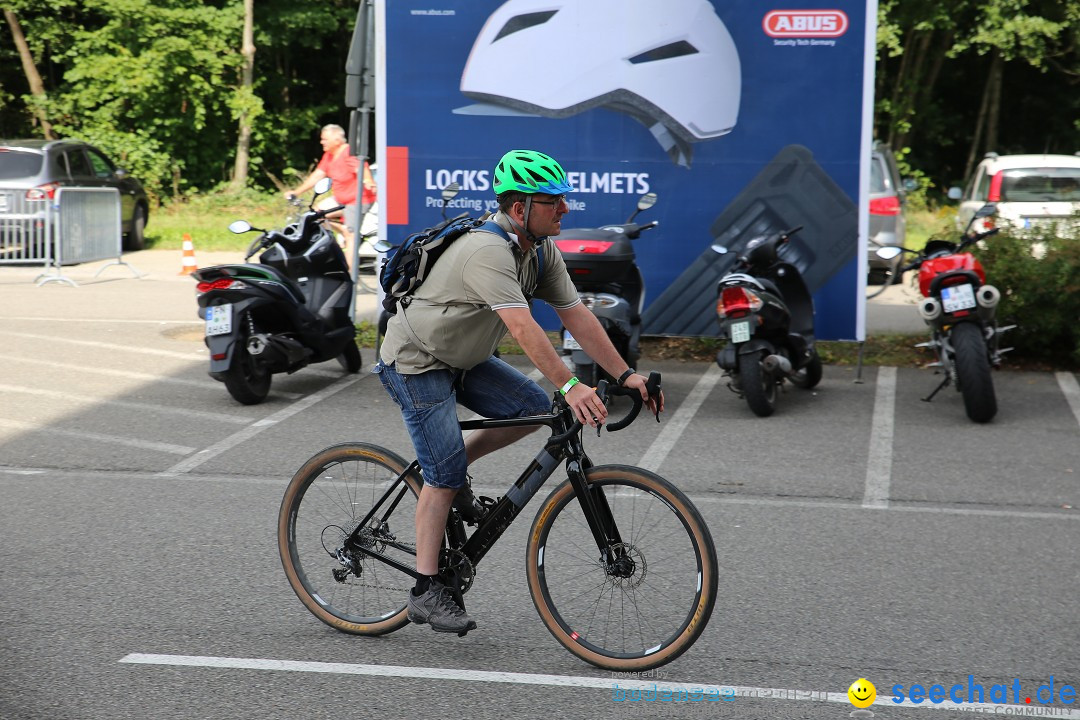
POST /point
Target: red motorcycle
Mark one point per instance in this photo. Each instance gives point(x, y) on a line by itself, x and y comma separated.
point(960, 309)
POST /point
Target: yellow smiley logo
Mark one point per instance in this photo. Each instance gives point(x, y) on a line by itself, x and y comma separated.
point(862, 693)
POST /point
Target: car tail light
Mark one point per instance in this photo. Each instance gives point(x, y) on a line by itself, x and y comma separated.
point(885, 206)
point(594, 247)
point(42, 192)
point(736, 302)
point(994, 195)
point(220, 284)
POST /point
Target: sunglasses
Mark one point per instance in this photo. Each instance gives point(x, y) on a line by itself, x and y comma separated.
point(559, 200)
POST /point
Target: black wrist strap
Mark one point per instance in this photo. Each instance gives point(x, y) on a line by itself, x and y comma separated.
point(626, 375)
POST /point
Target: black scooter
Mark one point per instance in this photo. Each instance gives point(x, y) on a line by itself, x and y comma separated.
point(766, 314)
point(292, 309)
point(601, 264)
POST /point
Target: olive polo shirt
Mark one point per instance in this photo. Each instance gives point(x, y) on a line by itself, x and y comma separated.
point(451, 320)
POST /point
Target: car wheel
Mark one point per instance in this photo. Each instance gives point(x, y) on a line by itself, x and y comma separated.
point(136, 239)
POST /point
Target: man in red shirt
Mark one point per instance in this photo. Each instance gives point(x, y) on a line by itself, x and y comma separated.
point(340, 165)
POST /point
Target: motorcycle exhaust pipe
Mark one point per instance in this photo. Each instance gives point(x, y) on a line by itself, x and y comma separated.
point(773, 363)
point(257, 344)
point(930, 309)
point(988, 298)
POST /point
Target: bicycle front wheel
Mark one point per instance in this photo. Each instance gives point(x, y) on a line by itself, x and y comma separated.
point(650, 601)
point(324, 503)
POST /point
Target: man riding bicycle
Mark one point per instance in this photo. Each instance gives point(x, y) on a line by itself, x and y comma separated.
point(438, 351)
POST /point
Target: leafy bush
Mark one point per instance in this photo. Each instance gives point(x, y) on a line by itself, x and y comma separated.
point(1036, 273)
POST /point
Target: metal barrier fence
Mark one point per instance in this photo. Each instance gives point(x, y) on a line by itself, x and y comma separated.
point(26, 227)
point(79, 225)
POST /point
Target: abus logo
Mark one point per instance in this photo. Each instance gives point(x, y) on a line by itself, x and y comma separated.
point(805, 23)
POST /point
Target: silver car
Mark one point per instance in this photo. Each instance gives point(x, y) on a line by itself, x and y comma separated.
point(40, 167)
point(887, 199)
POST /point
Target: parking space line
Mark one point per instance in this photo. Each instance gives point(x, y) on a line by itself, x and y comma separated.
point(142, 407)
point(254, 429)
point(623, 687)
point(879, 459)
point(98, 437)
point(673, 428)
point(1067, 383)
point(199, 355)
point(126, 374)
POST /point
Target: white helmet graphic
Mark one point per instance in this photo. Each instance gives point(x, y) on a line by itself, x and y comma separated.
point(671, 65)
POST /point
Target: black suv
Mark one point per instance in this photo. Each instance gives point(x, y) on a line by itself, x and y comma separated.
point(40, 167)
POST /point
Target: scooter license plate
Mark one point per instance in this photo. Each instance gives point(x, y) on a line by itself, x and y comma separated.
point(957, 297)
point(219, 320)
point(740, 331)
point(568, 341)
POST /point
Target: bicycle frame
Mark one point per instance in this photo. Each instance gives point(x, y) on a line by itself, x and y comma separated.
point(564, 443)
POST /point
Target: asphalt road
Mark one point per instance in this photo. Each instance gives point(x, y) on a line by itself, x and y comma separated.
point(861, 533)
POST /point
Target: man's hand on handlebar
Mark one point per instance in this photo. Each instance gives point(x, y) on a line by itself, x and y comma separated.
point(656, 404)
point(587, 406)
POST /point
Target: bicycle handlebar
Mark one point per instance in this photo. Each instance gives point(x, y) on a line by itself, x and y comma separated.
point(604, 389)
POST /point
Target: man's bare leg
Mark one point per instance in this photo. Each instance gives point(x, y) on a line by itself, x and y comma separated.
point(432, 507)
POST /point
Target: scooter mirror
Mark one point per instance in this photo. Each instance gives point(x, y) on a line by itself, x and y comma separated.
point(719, 249)
point(646, 201)
point(382, 246)
point(240, 226)
point(986, 210)
point(450, 192)
point(888, 252)
point(323, 186)
point(955, 193)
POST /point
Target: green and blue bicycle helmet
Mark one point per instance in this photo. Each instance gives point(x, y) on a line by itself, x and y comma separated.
point(530, 172)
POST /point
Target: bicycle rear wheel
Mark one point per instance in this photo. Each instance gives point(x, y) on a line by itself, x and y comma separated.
point(324, 502)
point(653, 601)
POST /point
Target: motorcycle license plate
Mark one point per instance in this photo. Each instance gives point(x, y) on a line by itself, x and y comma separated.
point(219, 320)
point(957, 297)
point(740, 331)
point(568, 341)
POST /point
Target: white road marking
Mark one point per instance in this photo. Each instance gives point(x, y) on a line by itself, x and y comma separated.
point(674, 427)
point(879, 461)
point(195, 355)
point(1067, 383)
point(254, 429)
point(98, 437)
point(110, 321)
point(611, 685)
point(126, 374)
point(142, 407)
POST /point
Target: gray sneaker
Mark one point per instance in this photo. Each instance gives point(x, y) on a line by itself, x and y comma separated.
point(437, 607)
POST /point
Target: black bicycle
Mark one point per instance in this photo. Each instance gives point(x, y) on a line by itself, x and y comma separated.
point(620, 564)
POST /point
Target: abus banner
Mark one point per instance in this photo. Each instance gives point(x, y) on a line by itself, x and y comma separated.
point(744, 119)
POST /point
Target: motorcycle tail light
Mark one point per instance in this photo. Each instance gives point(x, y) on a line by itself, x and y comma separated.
point(737, 302)
point(592, 247)
point(885, 206)
point(220, 284)
point(955, 280)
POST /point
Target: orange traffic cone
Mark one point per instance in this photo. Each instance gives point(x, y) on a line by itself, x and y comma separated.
point(189, 265)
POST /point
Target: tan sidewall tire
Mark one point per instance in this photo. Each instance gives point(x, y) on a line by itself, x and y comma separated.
point(347, 451)
point(702, 538)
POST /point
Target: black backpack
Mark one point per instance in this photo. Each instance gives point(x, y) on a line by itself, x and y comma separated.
point(410, 264)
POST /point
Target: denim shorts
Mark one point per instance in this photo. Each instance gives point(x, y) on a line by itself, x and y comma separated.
point(428, 403)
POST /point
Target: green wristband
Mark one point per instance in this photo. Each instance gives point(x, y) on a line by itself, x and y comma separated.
point(569, 384)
